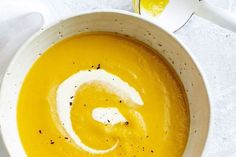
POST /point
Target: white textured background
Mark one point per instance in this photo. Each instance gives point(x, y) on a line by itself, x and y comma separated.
point(214, 48)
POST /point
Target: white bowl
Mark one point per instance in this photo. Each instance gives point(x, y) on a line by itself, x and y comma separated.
point(110, 21)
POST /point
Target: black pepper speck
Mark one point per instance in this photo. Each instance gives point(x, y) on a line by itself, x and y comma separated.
point(52, 142)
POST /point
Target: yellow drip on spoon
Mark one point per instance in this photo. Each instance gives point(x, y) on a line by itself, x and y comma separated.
point(154, 7)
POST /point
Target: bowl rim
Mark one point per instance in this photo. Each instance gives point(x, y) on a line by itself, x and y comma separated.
point(121, 12)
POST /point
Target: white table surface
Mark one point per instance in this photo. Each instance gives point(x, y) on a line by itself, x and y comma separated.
point(213, 47)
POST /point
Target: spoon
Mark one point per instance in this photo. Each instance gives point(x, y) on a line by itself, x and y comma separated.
point(178, 12)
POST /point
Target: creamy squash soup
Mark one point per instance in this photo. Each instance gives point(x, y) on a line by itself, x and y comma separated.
point(154, 7)
point(103, 95)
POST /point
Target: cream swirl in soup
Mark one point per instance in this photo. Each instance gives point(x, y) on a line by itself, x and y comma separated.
point(67, 91)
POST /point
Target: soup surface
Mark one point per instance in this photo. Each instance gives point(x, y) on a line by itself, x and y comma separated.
point(154, 7)
point(104, 95)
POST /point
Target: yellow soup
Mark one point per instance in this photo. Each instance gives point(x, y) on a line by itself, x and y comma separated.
point(154, 7)
point(126, 101)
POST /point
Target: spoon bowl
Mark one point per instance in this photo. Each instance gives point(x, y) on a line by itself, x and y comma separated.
point(178, 12)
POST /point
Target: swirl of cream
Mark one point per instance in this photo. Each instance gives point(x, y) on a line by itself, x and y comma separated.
point(69, 87)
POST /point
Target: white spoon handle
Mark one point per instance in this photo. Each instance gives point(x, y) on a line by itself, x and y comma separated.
point(217, 15)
